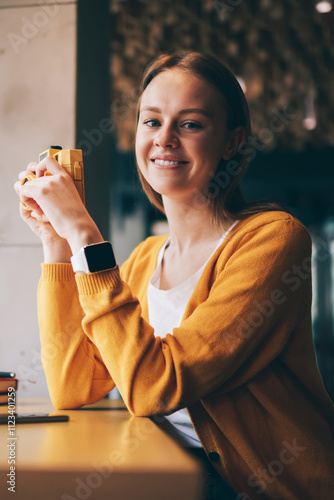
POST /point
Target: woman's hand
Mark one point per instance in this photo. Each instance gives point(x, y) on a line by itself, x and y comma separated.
point(56, 249)
point(58, 216)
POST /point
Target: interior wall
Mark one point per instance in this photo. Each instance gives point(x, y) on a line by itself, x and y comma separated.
point(37, 108)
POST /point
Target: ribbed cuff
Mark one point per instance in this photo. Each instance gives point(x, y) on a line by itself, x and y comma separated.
point(89, 284)
point(57, 272)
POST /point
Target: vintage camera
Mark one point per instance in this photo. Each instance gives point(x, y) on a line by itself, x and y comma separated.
point(72, 163)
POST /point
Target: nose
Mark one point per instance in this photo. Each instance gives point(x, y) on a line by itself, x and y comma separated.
point(166, 137)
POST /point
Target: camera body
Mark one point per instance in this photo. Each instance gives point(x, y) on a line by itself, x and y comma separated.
point(72, 163)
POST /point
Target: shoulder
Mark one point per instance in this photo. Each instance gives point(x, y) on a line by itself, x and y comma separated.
point(274, 217)
point(278, 225)
point(268, 235)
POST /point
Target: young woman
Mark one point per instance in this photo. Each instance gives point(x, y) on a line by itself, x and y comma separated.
point(209, 325)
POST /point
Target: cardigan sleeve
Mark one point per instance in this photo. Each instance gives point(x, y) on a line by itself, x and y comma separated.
point(74, 368)
point(72, 363)
point(238, 328)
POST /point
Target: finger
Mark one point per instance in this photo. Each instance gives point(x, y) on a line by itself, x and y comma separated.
point(30, 205)
point(25, 214)
point(31, 216)
point(48, 164)
point(32, 166)
point(40, 217)
point(17, 189)
point(28, 202)
point(17, 186)
point(28, 192)
point(25, 173)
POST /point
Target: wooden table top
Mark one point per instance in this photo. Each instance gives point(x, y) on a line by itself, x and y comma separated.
point(102, 452)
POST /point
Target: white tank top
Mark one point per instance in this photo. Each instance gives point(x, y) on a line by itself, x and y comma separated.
point(166, 309)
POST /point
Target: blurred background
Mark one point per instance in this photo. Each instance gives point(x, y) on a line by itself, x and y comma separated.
point(69, 74)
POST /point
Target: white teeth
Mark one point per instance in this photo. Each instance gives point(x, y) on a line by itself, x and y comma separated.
point(165, 163)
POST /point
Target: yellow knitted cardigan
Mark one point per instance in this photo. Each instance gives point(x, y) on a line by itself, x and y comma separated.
point(242, 361)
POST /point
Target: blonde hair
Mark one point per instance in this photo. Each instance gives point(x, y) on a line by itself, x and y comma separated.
point(223, 193)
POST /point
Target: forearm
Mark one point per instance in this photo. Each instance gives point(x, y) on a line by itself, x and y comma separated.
point(73, 366)
point(59, 251)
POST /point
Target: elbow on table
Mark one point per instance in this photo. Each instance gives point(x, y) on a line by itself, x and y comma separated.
point(61, 401)
point(143, 407)
point(72, 399)
point(67, 398)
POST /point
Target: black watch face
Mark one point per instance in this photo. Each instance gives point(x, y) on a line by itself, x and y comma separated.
point(100, 257)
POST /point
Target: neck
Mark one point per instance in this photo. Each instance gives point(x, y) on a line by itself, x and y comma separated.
point(190, 226)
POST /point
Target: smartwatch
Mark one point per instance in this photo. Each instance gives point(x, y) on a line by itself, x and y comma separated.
point(94, 258)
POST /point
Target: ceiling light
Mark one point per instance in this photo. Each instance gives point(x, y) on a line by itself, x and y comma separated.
point(324, 7)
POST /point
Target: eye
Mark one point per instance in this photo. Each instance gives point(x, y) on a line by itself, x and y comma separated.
point(152, 123)
point(191, 125)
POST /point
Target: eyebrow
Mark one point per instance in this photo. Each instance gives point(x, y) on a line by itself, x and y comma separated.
point(183, 112)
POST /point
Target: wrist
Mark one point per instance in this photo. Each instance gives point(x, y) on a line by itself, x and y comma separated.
point(57, 252)
point(84, 238)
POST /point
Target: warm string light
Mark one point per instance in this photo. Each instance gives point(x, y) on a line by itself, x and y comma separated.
point(324, 7)
point(310, 120)
point(273, 62)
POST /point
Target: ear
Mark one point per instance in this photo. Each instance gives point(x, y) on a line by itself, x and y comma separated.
point(234, 141)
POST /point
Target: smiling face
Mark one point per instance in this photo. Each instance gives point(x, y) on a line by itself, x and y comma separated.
point(181, 134)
